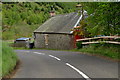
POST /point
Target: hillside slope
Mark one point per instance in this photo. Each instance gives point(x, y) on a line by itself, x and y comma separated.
point(25, 17)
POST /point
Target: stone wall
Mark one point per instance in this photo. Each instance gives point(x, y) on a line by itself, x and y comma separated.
point(54, 41)
point(18, 44)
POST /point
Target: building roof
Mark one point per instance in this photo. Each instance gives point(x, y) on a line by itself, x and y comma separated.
point(59, 24)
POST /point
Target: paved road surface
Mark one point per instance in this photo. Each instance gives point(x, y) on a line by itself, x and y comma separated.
point(64, 64)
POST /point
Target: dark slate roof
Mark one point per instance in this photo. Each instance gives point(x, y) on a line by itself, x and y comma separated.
point(59, 24)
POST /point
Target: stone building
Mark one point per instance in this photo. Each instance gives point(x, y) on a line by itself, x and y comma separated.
point(56, 32)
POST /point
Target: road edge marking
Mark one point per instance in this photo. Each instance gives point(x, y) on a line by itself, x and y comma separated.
point(38, 53)
point(55, 57)
point(27, 51)
point(80, 72)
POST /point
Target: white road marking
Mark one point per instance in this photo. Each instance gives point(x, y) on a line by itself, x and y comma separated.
point(27, 51)
point(81, 73)
point(55, 57)
point(39, 53)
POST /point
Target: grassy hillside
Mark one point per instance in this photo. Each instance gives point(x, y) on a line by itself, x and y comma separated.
point(9, 59)
point(21, 19)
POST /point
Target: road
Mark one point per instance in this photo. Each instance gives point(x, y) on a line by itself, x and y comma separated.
point(64, 64)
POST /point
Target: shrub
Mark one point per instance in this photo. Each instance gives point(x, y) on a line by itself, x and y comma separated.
point(79, 45)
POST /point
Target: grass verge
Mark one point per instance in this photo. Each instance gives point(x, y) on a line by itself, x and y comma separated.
point(108, 50)
point(9, 59)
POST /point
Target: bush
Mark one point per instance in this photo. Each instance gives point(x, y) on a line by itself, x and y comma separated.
point(79, 45)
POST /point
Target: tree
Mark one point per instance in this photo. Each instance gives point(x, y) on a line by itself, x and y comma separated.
point(103, 18)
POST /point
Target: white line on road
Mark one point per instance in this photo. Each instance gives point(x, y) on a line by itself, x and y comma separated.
point(27, 51)
point(55, 57)
point(80, 72)
point(39, 53)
